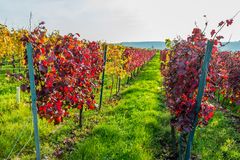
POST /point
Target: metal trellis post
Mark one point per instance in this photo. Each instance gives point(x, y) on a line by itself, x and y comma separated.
point(33, 97)
point(201, 86)
point(103, 74)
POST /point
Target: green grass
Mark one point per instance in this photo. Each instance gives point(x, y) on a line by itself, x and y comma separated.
point(16, 122)
point(219, 140)
point(136, 128)
point(135, 125)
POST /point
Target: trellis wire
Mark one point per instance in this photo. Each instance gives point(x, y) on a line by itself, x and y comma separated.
point(17, 139)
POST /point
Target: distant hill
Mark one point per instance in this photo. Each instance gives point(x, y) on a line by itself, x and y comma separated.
point(155, 45)
point(232, 46)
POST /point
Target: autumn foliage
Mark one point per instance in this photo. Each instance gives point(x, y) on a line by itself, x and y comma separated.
point(66, 72)
point(137, 58)
point(11, 46)
point(181, 68)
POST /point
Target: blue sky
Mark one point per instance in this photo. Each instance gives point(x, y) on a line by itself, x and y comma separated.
point(122, 20)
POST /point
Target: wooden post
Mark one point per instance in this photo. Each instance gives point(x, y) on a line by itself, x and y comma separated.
point(112, 77)
point(180, 143)
point(119, 84)
point(19, 71)
point(81, 117)
point(173, 133)
point(18, 95)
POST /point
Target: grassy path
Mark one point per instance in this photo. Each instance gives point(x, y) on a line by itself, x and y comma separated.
point(136, 128)
point(133, 128)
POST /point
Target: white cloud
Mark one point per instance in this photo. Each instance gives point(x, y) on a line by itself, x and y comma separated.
point(122, 20)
